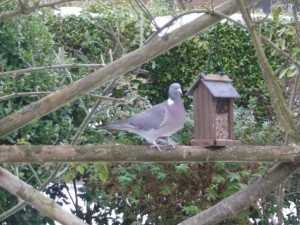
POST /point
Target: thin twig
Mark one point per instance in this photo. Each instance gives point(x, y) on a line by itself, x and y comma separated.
point(70, 196)
point(168, 24)
point(42, 94)
point(5, 2)
point(49, 67)
point(147, 13)
point(94, 108)
point(108, 98)
point(35, 174)
point(15, 73)
point(24, 94)
point(292, 103)
point(29, 9)
point(71, 79)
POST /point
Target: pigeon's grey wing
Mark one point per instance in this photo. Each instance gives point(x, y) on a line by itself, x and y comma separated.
point(150, 119)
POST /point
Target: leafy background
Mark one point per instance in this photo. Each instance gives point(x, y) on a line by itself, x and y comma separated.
point(163, 193)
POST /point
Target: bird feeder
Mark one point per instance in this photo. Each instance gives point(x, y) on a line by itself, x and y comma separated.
point(213, 97)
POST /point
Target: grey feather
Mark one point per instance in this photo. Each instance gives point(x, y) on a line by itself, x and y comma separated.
point(158, 122)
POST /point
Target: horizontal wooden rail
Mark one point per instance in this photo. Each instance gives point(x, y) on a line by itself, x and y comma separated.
point(122, 153)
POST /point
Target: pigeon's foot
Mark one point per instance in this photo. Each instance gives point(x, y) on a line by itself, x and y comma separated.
point(156, 146)
point(168, 140)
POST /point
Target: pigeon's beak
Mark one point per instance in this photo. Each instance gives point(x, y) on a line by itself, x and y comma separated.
point(179, 90)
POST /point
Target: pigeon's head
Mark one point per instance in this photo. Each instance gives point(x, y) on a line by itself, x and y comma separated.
point(175, 91)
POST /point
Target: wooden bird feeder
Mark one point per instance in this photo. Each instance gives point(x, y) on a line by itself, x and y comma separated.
point(213, 111)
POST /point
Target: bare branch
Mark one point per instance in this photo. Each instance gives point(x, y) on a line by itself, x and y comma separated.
point(22, 204)
point(27, 9)
point(42, 94)
point(170, 23)
point(95, 107)
point(24, 94)
point(57, 67)
point(61, 61)
point(283, 114)
point(108, 98)
point(121, 153)
point(147, 13)
point(38, 200)
point(35, 174)
point(47, 68)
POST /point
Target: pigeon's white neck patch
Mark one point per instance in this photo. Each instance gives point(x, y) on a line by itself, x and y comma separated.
point(170, 101)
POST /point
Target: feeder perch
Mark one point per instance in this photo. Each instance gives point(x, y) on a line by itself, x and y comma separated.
point(213, 111)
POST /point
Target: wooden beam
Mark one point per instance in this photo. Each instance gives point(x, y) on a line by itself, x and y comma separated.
point(122, 153)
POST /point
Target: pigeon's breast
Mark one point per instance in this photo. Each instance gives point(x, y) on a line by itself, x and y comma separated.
point(175, 118)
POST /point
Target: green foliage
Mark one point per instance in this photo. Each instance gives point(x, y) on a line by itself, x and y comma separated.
point(25, 41)
point(153, 190)
point(89, 37)
point(190, 210)
point(182, 168)
point(164, 193)
point(251, 130)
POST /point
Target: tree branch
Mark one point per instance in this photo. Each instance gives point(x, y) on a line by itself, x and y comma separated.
point(122, 153)
point(174, 19)
point(108, 98)
point(245, 198)
point(50, 67)
point(22, 204)
point(119, 67)
point(39, 94)
point(26, 8)
point(95, 106)
point(283, 114)
point(24, 94)
point(15, 73)
point(38, 200)
point(61, 61)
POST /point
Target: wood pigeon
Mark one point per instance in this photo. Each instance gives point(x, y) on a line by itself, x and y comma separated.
point(159, 122)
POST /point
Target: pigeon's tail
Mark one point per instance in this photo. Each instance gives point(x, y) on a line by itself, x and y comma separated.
point(111, 126)
point(117, 125)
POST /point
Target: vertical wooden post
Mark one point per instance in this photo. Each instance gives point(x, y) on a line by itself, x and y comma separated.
point(230, 119)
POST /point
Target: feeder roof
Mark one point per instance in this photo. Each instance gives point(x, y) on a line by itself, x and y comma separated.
point(219, 86)
point(221, 89)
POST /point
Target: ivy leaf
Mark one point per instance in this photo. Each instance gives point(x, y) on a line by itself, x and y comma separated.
point(70, 176)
